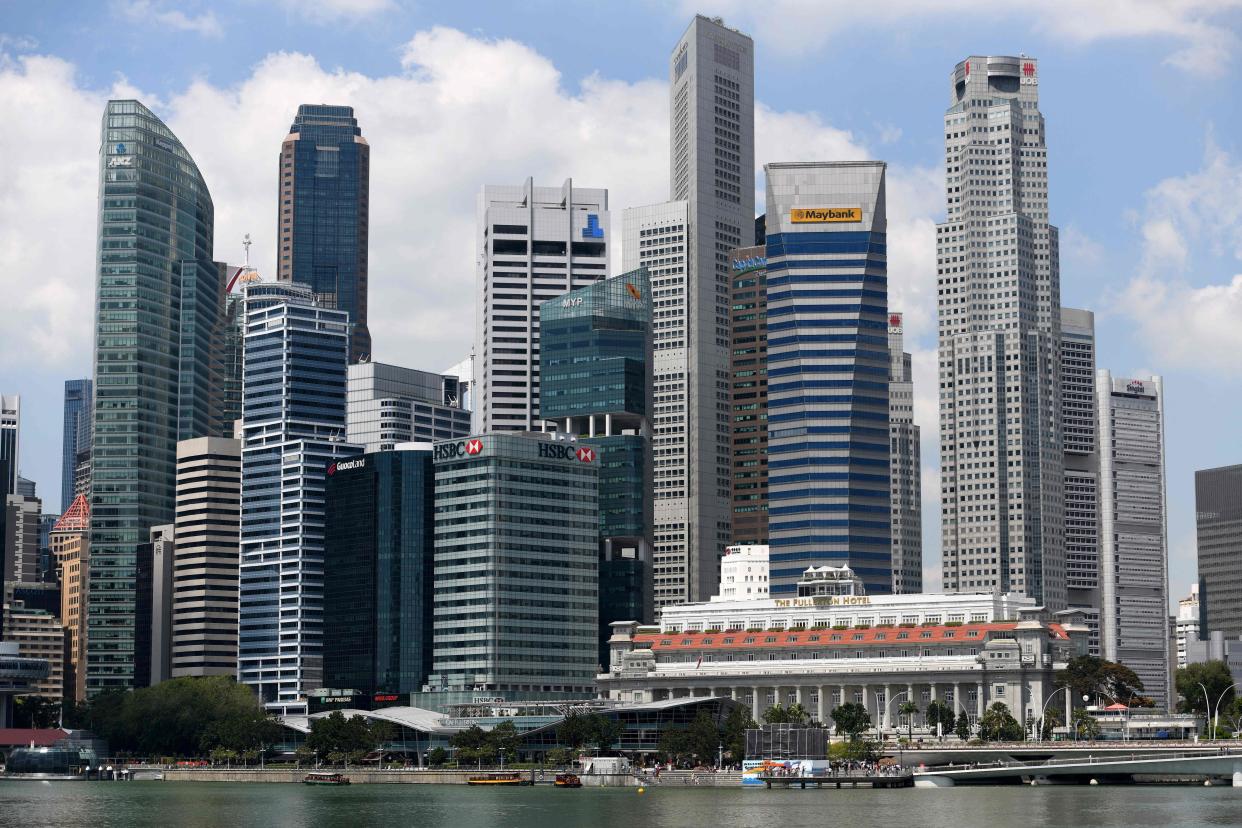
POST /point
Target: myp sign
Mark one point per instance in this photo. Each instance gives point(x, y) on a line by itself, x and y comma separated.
point(592, 229)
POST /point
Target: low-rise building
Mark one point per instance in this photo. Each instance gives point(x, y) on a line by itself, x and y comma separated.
point(39, 635)
point(1186, 624)
point(822, 650)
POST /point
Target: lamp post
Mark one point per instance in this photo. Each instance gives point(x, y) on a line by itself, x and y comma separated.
point(1043, 713)
point(1214, 719)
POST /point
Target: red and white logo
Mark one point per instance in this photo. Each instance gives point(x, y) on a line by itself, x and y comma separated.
point(474, 446)
point(331, 468)
point(586, 454)
point(894, 320)
point(1028, 69)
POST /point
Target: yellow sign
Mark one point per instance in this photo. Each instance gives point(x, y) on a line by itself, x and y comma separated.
point(824, 215)
point(824, 601)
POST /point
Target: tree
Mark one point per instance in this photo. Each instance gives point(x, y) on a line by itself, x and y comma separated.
point(574, 731)
point(998, 724)
point(472, 745)
point(437, 756)
point(559, 756)
point(604, 731)
point(940, 714)
point(1092, 676)
point(962, 727)
point(698, 742)
point(1085, 725)
point(733, 733)
point(1193, 679)
point(1052, 719)
point(852, 719)
point(504, 739)
point(339, 737)
point(35, 712)
point(909, 709)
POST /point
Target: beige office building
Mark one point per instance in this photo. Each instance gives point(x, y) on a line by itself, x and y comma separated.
point(69, 540)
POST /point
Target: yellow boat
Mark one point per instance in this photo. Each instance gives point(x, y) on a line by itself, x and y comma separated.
point(499, 779)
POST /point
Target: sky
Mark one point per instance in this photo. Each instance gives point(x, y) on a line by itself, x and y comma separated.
point(1140, 97)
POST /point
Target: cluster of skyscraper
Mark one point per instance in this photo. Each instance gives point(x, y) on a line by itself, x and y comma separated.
point(256, 496)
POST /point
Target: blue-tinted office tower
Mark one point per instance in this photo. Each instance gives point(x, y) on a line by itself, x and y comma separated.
point(595, 364)
point(828, 366)
point(377, 570)
point(78, 393)
point(159, 297)
point(293, 408)
point(324, 210)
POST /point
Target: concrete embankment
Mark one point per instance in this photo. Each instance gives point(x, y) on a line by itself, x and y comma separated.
point(368, 776)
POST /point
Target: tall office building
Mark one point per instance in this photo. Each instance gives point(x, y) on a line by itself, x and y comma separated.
point(206, 558)
point(379, 525)
point(1218, 520)
point(10, 441)
point(1079, 426)
point(388, 404)
point(21, 538)
point(595, 369)
point(324, 213)
point(748, 395)
point(712, 209)
point(78, 395)
point(1134, 558)
point(1001, 461)
point(516, 551)
point(905, 467)
point(293, 410)
point(82, 452)
point(159, 298)
point(38, 635)
point(69, 542)
point(532, 243)
point(828, 369)
point(153, 597)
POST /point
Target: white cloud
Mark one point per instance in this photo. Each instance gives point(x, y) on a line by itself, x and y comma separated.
point(1181, 323)
point(1203, 43)
point(149, 11)
point(335, 11)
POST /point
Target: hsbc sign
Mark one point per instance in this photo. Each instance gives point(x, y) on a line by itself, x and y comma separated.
point(561, 451)
point(462, 448)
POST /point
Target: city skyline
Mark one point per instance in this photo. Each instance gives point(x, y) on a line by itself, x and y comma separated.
point(391, 279)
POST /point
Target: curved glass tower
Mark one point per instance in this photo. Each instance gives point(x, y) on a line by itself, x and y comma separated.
point(158, 303)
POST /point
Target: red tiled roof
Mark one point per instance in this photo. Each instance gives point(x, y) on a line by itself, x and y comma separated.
point(23, 736)
point(825, 637)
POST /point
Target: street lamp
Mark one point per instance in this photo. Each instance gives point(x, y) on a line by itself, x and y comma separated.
point(1215, 721)
point(1043, 713)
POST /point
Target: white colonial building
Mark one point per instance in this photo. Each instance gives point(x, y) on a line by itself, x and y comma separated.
point(833, 645)
point(743, 573)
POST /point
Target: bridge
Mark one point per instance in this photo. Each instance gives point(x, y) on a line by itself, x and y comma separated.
point(1102, 769)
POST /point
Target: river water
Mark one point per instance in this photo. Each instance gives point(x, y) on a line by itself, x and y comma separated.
point(186, 805)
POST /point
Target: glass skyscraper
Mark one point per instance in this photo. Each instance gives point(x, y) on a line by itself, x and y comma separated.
point(828, 369)
point(78, 393)
point(158, 303)
point(293, 407)
point(324, 210)
point(595, 369)
point(377, 571)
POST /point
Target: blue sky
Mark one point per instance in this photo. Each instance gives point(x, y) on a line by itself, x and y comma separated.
point(1140, 98)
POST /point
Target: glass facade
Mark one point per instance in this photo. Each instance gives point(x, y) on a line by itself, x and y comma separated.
point(596, 369)
point(293, 405)
point(828, 369)
point(78, 395)
point(748, 393)
point(379, 527)
point(325, 174)
point(159, 299)
point(516, 564)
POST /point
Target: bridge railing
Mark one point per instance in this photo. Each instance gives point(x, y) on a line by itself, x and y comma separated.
point(1090, 760)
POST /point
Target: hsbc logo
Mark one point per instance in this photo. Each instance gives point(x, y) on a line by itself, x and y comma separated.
point(462, 448)
point(561, 451)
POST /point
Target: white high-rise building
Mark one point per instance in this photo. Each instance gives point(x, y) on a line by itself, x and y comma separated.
point(1187, 623)
point(686, 243)
point(1134, 559)
point(905, 467)
point(743, 573)
point(10, 442)
point(532, 244)
point(1001, 459)
point(1082, 469)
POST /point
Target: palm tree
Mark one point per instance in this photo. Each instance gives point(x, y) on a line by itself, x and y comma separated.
point(909, 709)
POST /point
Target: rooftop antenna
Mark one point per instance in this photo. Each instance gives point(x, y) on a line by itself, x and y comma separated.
point(246, 244)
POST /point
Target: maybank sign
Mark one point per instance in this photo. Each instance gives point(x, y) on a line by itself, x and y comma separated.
point(824, 215)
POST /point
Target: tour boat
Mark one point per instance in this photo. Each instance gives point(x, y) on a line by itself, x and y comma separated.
point(567, 780)
point(499, 779)
point(325, 778)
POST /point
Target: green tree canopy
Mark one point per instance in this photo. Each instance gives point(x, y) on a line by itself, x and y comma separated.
point(998, 725)
point(733, 733)
point(1092, 676)
point(793, 714)
point(939, 713)
point(962, 727)
point(186, 716)
point(697, 742)
point(1193, 679)
point(339, 735)
point(851, 719)
point(1085, 725)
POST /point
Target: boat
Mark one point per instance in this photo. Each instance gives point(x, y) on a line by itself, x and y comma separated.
point(325, 778)
point(567, 780)
point(499, 779)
